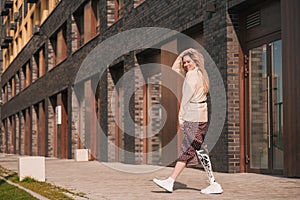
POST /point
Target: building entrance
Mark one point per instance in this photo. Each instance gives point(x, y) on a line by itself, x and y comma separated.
point(265, 111)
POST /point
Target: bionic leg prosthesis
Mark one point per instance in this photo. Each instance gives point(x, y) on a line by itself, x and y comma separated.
point(214, 187)
point(205, 161)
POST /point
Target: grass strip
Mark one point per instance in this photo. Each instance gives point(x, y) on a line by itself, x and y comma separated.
point(43, 188)
point(8, 191)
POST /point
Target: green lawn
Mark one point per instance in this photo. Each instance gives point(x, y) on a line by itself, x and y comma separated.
point(43, 188)
point(8, 192)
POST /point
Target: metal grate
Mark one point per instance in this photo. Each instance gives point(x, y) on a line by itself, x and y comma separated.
point(253, 20)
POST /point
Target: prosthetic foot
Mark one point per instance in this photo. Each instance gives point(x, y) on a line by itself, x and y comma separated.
point(214, 187)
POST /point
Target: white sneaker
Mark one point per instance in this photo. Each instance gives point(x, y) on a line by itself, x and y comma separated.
point(213, 188)
point(166, 184)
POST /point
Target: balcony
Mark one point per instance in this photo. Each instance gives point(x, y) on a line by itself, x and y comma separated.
point(32, 1)
point(4, 12)
point(8, 39)
point(36, 29)
point(13, 26)
point(4, 45)
point(8, 4)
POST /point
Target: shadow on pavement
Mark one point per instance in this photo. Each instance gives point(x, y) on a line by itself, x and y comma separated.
point(178, 186)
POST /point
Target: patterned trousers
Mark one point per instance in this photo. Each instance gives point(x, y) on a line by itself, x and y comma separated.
point(193, 150)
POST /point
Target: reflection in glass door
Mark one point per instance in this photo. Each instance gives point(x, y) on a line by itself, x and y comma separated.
point(258, 108)
point(154, 120)
point(265, 107)
point(277, 109)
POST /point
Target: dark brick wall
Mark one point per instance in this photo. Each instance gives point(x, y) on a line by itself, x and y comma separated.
point(169, 14)
point(56, 80)
point(173, 14)
point(215, 42)
point(233, 85)
point(220, 40)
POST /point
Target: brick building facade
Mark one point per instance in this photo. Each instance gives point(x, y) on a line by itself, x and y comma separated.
point(42, 115)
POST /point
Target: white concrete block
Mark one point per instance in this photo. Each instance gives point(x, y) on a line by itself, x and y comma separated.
point(32, 166)
point(81, 155)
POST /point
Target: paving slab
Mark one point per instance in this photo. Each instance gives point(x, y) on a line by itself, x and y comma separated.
point(113, 181)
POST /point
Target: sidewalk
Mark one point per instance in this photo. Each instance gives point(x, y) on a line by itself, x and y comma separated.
point(99, 181)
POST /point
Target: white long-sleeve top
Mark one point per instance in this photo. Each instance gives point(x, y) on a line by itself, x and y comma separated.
point(192, 94)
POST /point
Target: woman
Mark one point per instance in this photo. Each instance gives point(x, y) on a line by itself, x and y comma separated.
point(193, 118)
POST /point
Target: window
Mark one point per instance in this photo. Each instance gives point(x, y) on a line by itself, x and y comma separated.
point(27, 74)
point(4, 93)
point(13, 87)
point(17, 78)
point(5, 61)
point(110, 12)
point(86, 23)
point(25, 77)
point(20, 42)
point(47, 5)
point(32, 25)
point(11, 52)
point(53, 51)
point(25, 8)
point(78, 28)
point(20, 14)
point(16, 45)
point(95, 16)
point(38, 13)
point(39, 65)
point(119, 9)
point(59, 45)
point(90, 19)
point(7, 26)
point(42, 64)
point(115, 10)
point(26, 33)
point(9, 90)
point(35, 68)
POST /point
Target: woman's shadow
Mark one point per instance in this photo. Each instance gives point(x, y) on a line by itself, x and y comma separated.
point(177, 186)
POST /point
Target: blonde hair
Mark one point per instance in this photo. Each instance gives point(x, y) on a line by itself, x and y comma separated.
point(197, 57)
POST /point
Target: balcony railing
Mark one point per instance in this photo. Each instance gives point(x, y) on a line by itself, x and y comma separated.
point(8, 39)
point(13, 26)
point(32, 1)
point(4, 12)
point(4, 45)
point(36, 29)
point(8, 4)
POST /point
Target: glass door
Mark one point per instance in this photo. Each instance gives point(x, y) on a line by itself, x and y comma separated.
point(277, 109)
point(154, 120)
point(265, 134)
